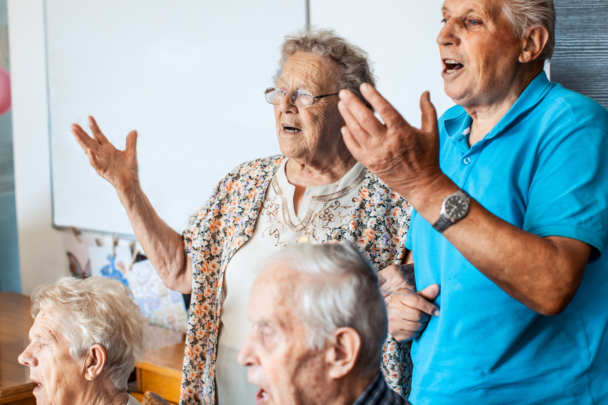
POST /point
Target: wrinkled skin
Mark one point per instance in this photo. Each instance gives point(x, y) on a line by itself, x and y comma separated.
point(319, 144)
point(279, 358)
point(62, 379)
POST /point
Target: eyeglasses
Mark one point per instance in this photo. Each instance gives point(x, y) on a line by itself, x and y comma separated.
point(299, 98)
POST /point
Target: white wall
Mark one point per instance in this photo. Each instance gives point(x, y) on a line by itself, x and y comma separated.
point(41, 250)
point(400, 36)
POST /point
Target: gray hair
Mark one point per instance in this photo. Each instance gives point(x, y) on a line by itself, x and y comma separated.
point(525, 14)
point(96, 310)
point(343, 292)
point(353, 62)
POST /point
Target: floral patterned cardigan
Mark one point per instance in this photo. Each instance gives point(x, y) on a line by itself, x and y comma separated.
point(378, 226)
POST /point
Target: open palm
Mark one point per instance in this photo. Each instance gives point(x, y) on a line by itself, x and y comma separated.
point(119, 167)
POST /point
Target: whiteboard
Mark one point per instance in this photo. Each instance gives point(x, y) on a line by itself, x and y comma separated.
point(400, 37)
point(188, 75)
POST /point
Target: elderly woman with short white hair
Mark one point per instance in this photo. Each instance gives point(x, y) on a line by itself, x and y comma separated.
point(86, 337)
point(510, 190)
point(314, 192)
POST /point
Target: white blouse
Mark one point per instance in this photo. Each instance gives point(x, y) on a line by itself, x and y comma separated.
point(321, 210)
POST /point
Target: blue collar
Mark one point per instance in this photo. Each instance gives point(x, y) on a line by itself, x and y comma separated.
point(532, 95)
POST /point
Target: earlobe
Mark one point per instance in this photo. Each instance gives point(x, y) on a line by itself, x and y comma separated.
point(343, 352)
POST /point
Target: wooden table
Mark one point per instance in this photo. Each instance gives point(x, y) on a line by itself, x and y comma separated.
point(15, 323)
point(160, 371)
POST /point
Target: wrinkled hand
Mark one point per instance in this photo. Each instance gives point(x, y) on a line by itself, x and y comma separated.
point(405, 158)
point(118, 167)
point(395, 277)
point(409, 311)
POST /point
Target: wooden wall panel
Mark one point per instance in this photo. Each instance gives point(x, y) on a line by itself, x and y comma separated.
point(581, 52)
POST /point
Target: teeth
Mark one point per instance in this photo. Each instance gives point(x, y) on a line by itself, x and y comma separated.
point(264, 394)
point(291, 129)
point(452, 62)
point(449, 71)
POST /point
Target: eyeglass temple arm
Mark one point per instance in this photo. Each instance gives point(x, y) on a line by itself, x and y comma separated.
point(326, 95)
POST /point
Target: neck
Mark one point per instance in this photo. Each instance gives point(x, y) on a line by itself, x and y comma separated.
point(307, 173)
point(100, 395)
point(487, 114)
point(351, 389)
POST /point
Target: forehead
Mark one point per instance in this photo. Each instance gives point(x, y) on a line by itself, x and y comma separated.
point(272, 293)
point(44, 326)
point(488, 7)
point(308, 70)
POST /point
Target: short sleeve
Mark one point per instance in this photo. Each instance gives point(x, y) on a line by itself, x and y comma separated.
point(568, 194)
point(408, 239)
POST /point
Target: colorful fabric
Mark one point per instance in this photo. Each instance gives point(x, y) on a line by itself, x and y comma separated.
point(378, 225)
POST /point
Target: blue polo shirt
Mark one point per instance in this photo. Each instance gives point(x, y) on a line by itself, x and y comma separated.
point(544, 169)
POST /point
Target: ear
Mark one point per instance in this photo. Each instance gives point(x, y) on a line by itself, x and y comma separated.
point(94, 362)
point(534, 42)
point(343, 352)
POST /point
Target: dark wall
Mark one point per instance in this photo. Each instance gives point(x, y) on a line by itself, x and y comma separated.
point(580, 62)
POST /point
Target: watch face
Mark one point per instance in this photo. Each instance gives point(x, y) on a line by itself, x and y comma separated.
point(456, 207)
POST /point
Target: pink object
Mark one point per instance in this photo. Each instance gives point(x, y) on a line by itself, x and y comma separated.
point(5, 91)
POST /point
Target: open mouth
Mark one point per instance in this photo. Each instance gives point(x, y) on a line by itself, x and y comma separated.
point(452, 65)
point(262, 396)
point(38, 387)
point(291, 130)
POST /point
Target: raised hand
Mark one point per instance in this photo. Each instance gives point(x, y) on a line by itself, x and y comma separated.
point(405, 158)
point(118, 167)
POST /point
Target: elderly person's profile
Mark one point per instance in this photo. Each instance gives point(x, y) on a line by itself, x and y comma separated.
point(86, 337)
point(319, 324)
point(510, 191)
point(314, 192)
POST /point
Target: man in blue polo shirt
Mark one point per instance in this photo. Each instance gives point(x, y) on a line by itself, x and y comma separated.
point(510, 191)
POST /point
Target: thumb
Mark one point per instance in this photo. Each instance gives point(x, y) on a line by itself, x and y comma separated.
point(132, 142)
point(430, 293)
point(429, 114)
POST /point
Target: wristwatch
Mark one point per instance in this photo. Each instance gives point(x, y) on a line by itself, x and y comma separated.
point(454, 208)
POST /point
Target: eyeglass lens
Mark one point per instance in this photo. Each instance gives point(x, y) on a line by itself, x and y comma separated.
point(298, 98)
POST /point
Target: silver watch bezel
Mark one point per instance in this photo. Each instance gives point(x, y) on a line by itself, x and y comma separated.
point(462, 194)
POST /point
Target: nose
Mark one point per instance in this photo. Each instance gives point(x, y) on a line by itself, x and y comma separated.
point(247, 355)
point(448, 34)
point(27, 359)
point(286, 106)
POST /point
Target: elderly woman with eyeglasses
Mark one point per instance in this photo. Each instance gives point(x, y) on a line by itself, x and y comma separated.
point(314, 192)
point(86, 337)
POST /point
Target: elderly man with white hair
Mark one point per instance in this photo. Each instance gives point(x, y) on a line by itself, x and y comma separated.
point(319, 324)
point(510, 191)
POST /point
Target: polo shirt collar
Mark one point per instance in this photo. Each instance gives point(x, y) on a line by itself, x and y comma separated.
point(456, 128)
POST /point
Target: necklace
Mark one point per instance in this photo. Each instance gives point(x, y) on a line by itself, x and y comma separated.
point(304, 238)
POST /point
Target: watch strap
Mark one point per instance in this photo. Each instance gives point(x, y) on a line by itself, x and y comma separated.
point(442, 224)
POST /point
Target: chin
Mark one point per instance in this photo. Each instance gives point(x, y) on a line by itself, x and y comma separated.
point(458, 95)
